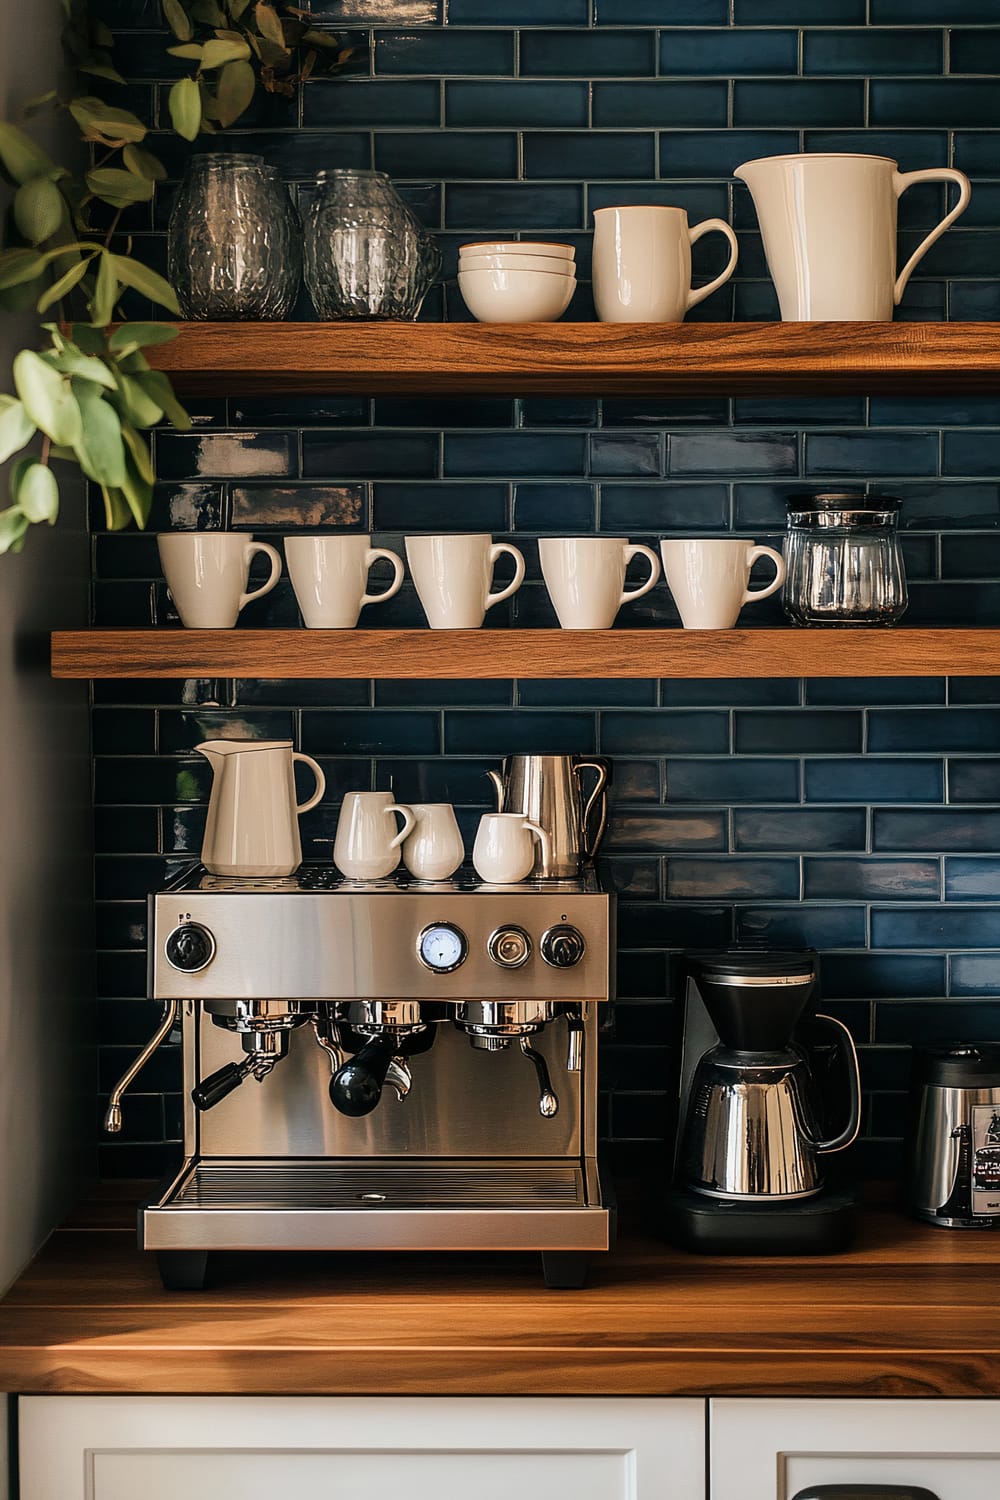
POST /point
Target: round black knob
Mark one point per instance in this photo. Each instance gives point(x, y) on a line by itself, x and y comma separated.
point(190, 948)
point(563, 946)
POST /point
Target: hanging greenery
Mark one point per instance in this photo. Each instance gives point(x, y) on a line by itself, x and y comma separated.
point(236, 45)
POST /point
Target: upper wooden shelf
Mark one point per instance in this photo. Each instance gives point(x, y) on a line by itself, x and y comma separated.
point(525, 653)
point(600, 359)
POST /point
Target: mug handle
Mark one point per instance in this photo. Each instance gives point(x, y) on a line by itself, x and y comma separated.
point(409, 823)
point(695, 233)
point(317, 771)
point(496, 551)
point(654, 572)
point(540, 835)
point(397, 568)
point(779, 576)
point(253, 547)
point(900, 182)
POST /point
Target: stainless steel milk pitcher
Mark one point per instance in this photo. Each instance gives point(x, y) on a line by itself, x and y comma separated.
point(548, 789)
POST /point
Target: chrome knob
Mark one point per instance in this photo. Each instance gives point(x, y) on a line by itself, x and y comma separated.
point(563, 946)
point(189, 948)
point(510, 947)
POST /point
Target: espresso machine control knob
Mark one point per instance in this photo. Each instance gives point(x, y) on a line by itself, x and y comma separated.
point(563, 946)
point(190, 948)
point(510, 947)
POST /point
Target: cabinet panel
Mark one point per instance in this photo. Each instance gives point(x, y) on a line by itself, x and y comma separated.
point(772, 1450)
point(159, 1448)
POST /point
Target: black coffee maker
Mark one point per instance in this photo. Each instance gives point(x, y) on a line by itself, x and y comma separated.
point(762, 1105)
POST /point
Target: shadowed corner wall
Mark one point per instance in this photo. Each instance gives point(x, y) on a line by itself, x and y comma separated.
point(46, 923)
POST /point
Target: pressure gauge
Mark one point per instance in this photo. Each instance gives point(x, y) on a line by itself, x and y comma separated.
point(442, 947)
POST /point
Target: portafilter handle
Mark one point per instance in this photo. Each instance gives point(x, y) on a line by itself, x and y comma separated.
point(356, 1088)
point(220, 1084)
point(849, 1056)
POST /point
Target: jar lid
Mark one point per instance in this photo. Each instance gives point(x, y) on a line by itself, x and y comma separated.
point(958, 1065)
point(842, 500)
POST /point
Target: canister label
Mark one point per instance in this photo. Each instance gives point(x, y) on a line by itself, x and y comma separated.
point(986, 1160)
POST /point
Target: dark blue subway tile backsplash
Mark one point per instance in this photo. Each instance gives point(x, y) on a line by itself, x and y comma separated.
point(858, 814)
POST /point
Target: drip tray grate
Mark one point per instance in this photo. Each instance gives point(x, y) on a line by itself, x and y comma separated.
point(323, 1185)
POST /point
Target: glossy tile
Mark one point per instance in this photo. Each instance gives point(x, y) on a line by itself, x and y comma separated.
point(514, 453)
point(811, 103)
point(740, 453)
point(873, 51)
point(949, 102)
point(665, 732)
point(935, 927)
point(658, 13)
point(519, 12)
point(507, 209)
point(798, 732)
point(590, 153)
point(311, 506)
point(974, 780)
point(447, 153)
point(438, 53)
point(797, 829)
point(691, 508)
point(934, 729)
point(881, 976)
point(370, 102)
point(866, 691)
point(588, 54)
point(821, 12)
point(662, 103)
point(871, 879)
point(821, 927)
point(520, 104)
point(224, 455)
point(370, 731)
point(732, 879)
point(526, 731)
point(634, 454)
point(587, 692)
point(874, 780)
point(369, 455)
point(554, 508)
point(972, 879)
point(935, 830)
point(731, 54)
point(729, 781)
point(406, 507)
point(871, 453)
point(973, 974)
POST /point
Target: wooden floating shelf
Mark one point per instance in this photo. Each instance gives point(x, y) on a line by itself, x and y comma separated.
point(596, 359)
point(525, 653)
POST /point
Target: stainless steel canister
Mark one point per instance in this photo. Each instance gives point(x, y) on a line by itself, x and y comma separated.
point(953, 1172)
point(843, 559)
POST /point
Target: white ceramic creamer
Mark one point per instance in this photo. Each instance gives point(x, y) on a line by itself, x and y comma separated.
point(829, 228)
point(253, 818)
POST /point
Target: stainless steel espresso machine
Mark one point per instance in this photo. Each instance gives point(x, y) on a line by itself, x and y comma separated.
point(387, 1065)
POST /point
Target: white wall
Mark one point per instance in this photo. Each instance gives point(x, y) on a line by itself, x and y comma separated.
point(46, 990)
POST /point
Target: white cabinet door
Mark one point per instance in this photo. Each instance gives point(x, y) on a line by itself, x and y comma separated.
point(333, 1448)
point(773, 1449)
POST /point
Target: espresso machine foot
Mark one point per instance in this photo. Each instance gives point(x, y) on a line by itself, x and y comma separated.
point(183, 1270)
point(565, 1270)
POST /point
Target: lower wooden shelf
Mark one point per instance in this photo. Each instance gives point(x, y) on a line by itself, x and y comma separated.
point(525, 653)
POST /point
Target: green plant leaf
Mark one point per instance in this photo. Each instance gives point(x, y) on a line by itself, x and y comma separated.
point(269, 23)
point(102, 303)
point(38, 493)
point(72, 361)
point(38, 209)
point(102, 122)
point(134, 403)
point(16, 427)
point(17, 473)
point(65, 284)
point(139, 453)
point(157, 385)
point(144, 163)
point(100, 66)
point(177, 19)
point(134, 274)
point(89, 339)
point(115, 186)
point(39, 101)
point(20, 156)
point(23, 297)
point(184, 103)
point(128, 337)
point(13, 525)
point(20, 265)
point(138, 494)
point(236, 8)
point(328, 40)
point(47, 398)
point(189, 51)
point(100, 448)
point(208, 13)
point(116, 512)
point(234, 91)
point(216, 53)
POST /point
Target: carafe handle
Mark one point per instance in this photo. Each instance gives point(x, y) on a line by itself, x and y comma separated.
point(498, 787)
point(589, 842)
point(317, 771)
point(850, 1059)
point(900, 182)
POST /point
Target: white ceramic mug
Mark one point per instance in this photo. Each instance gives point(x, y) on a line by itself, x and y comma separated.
point(585, 577)
point(504, 851)
point(330, 575)
point(434, 850)
point(708, 578)
point(207, 572)
point(642, 263)
point(453, 574)
point(367, 845)
point(828, 222)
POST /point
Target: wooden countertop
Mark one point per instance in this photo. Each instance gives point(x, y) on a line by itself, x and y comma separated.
point(910, 1311)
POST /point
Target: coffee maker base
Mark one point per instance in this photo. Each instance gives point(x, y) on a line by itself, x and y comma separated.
point(821, 1225)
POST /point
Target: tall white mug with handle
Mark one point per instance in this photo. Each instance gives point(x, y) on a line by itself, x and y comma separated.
point(367, 845)
point(585, 577)
point(330, 577)
point(829, 226)
point(709, 578)
point(207, 573)
point(642, 263)
point(453, 576)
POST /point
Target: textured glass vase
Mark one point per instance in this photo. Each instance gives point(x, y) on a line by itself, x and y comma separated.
point(234, 244)
point(366, 255)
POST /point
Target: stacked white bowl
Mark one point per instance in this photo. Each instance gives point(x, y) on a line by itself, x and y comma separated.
point(517, 281)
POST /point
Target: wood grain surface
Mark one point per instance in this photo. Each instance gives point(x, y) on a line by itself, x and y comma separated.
point(911, 1310)
point(599, 359)
point(525, 653)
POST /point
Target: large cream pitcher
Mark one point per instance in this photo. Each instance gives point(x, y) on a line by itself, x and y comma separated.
point(829, 228)
point(253, 818)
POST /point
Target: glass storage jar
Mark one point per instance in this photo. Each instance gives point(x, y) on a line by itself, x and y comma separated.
point(843, 560)
point(234, 243)
point(366, 254)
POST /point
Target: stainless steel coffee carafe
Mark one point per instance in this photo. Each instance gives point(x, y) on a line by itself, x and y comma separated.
point(953, 1170)
point(548, 790)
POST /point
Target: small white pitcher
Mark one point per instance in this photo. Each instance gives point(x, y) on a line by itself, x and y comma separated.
point(367, 845)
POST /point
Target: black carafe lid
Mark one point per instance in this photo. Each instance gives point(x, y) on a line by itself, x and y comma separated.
point(958, 1065)
point(754, 996)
